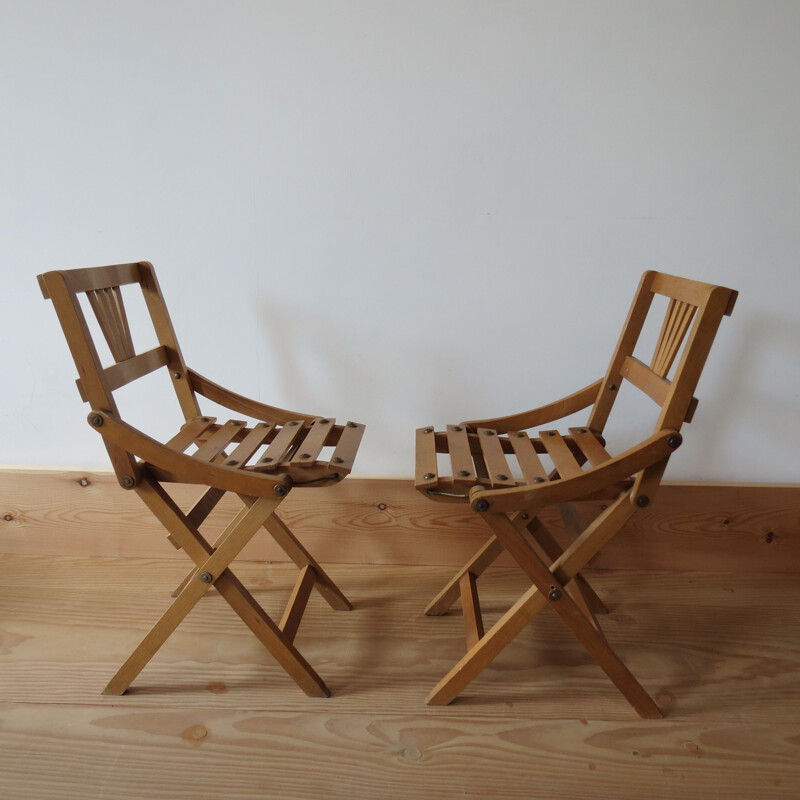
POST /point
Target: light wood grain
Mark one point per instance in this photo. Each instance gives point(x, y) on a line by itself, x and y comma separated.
point(210, 716)
point(725, 527)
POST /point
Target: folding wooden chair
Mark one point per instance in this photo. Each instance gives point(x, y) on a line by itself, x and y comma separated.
point(580, 468)
point(261, 463)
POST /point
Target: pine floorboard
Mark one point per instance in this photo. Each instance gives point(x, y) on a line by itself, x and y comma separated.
point(214, 716)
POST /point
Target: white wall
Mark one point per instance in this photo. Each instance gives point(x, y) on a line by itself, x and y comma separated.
point(407, 212)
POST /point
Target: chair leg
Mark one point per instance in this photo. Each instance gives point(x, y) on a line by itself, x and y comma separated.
point(477, 565)
point(215, 561)
point(561, 572)
point(581, 625)
point(553, 550)
point(484, 652)
point(287, 541)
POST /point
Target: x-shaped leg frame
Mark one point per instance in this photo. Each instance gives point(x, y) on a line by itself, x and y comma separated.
point(550, 587)
point(212, 569)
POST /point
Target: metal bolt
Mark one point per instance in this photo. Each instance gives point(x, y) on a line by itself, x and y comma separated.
point(428, 476)
point(176, 375)
point(488, 433)
point(267, 460)
point(280, 490)
point(612, 387)
point(337, 460)
point(324, 422)
point(236, 422)
point(305, 455)
point(555, 594)
point(482, 504)
point(206, 577)
point(205, 419)
point(128, 482)
point(457, 428)
point(96, 420)
point(674, 440)
point(520, 436)
point(232, 463)
point(501, 477)
point(463, 473)
point(526, 515)
point(642, 501)
point(428, 430)
point(538, 480)
point(352, 425)
point(550, 433)
point(294, 422)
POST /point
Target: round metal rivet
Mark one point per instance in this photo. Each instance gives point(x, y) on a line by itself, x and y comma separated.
point(501, 477)
point(538, 480)
point(176, 375)
point(280, 490)
point(555, 594)
point(488, 433)
point(294, 422)
point(324, 422)
point(96, 420)
point(206, 577)
point(204, 419)
point(612, 387)
point(463, 473)
point(128, 482)
point(674, 441)
point(551, 433)
point(232, 463)
point(352, 425)
point(305, 455)
point(428, 476)
point(526, 515)
point(428, 430)
point(642, 501)
point(337, 460)
point(457, 428)
point(267, 460)
point(520, 436)
point(482, 504)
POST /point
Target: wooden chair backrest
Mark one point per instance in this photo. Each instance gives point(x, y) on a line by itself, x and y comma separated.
point(97, 383)
point(693, 315)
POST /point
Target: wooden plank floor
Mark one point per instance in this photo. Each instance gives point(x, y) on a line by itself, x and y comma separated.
point(214, 717)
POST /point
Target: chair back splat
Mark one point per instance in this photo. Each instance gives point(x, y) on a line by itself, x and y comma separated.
point(260, 462)
point(507, 475)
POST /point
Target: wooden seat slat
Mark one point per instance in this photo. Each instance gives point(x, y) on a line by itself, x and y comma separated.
point(498, 472)
point(190, 432)
point(426, 470)
point(315, 439)
point(347, 446)
point(563, 459)
point(460, 456)
point(281, 446)
point(532, 468)
point(590, 446)
point(250, 444)
point(219, 440)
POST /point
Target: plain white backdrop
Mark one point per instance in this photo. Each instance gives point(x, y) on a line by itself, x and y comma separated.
point(406, 213)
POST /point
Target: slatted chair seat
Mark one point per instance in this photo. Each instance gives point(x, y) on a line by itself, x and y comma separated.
point(261, 462)
point(508, 469)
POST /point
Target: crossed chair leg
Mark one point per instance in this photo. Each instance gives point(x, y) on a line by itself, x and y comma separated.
point(212, 569)
point(556, 585)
